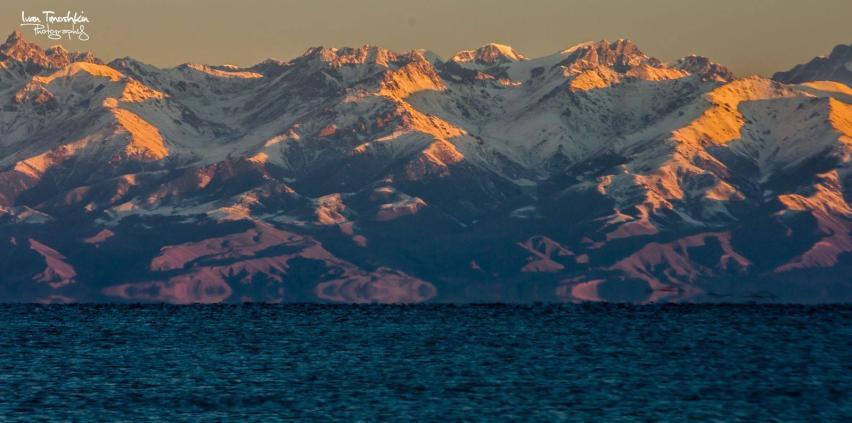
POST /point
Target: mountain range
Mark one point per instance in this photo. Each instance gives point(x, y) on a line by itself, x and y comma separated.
point(359, 175)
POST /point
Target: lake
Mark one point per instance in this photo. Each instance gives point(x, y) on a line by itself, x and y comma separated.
point(604, 362)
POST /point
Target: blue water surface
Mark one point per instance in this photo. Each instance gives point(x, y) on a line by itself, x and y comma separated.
point(430, 362)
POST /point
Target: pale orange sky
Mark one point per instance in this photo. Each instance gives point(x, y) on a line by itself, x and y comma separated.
point(749, 36)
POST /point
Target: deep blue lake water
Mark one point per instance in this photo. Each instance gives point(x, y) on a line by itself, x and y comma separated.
point(543, 363)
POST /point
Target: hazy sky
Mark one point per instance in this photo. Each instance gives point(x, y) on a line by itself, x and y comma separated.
point(749, 36)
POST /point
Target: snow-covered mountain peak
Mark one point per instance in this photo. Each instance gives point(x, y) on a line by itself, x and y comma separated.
point(576, 47)
point(34, 58)
point(271, 62)
point(428, 55)
point(17, 48)
point(621, 55)
point(127, 62)
point(269, 67)
point(224, 71)
point(72, 69)
point(700, 65)
point(489, 54)
point(366, 54)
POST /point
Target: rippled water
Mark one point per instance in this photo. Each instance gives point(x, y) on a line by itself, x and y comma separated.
point(604, 362)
